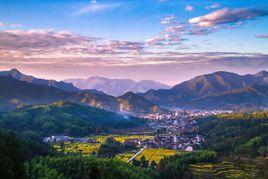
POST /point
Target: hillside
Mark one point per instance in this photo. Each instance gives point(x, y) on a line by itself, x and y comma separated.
point(243, 134)
point(133, 102)
point(64, 118)
point(14, 93)
point(249, 96)
point(208, 88)
point(116, 87)
point(30, 79)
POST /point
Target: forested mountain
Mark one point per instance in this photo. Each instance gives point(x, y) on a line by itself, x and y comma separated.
point(64, 118)
point(208, 90)
point(116, 87)
point(15, 93)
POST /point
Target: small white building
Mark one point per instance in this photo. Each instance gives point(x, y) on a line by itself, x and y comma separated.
point(189, 149)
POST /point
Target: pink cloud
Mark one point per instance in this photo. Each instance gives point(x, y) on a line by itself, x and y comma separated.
point(189, 8)
point(227, 16)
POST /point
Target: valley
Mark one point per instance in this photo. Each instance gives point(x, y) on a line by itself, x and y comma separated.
point(137, 131)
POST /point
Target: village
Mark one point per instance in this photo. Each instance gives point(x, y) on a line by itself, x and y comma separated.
point(176, 130)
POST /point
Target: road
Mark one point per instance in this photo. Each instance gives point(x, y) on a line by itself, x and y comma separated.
point(135, 155)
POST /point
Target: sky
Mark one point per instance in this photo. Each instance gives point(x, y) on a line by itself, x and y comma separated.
point(164, 40)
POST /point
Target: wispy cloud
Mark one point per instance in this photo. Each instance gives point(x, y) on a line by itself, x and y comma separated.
point(2, 24)
point(263, 36)
point(189, 8)
point(213, 6)
point(168, 20)
point(95, 7)
point(52, 44)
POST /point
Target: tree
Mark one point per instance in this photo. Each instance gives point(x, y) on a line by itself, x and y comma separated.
point(153, 165)
point(11, 165)
point(136, 163)
point(144, 162)
point(110, 148)
point(95, 173)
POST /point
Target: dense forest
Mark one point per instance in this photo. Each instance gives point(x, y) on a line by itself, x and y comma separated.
point(236, 134)
point(65, 118)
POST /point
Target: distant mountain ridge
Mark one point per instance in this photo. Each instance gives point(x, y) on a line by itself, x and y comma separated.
point(211, 90)
point(116, 87)
point(14, 93)
point(30, 79)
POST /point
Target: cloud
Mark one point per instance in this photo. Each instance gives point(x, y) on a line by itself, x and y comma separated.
point(95, 7)
point(168, 20)
point(213, 6)
point(228, 16)
point(262, 36)
point(2, 24)
point(201, 31)
point(62, 44)
point(168, 67)
point(189, 8)
point(176, 29)
point(15, 25)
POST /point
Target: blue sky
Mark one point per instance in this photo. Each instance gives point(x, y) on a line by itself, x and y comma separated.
point(135, 34)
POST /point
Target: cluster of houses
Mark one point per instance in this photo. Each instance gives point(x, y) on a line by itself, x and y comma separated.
point(169, 141)
point(62, 138)
point(177, 130)
point(178, 113)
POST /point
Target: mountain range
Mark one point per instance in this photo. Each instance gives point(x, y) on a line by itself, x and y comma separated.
point(15, 93)
point(219, 89)
point(116, 87)
point(216, 90)
point(30, 79)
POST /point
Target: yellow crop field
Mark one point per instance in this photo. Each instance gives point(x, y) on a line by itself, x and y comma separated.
point(125, 137)
point(84, 148)
point(126, 155)
point(88, 148)
point(122, 138)
point(156, 154)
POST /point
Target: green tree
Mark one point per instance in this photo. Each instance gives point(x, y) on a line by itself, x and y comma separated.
point(11, 165)
point(144, 162)
point(153, 165)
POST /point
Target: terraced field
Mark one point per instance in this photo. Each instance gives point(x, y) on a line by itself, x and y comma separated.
point(224, 170)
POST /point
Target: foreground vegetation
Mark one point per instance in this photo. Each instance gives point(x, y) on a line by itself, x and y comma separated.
point(81, 167)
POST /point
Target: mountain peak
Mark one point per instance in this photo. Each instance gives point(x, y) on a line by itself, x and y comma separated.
point(14, 70)
point(261, 74)
point(16, 74)
point(116, 87)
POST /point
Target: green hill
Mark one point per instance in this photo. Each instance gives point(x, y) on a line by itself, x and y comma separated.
point(65, 118)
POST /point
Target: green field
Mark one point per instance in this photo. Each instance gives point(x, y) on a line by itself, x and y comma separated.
point(156, 154)
point(224, 170)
